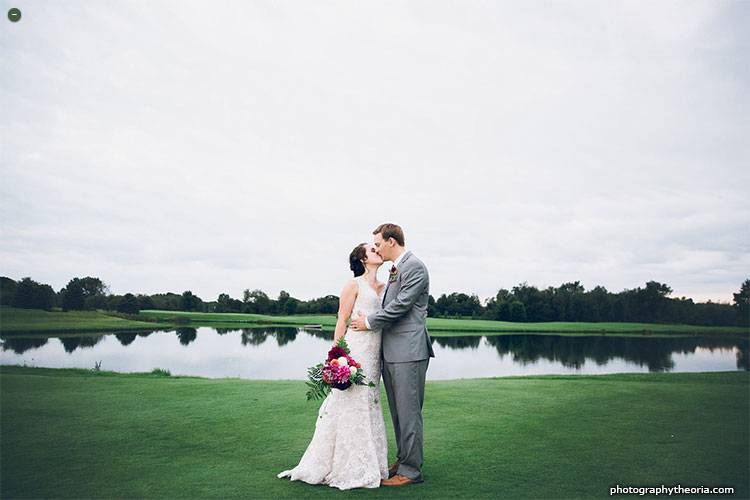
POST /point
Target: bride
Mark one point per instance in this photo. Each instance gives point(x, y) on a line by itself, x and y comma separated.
point(348, 449)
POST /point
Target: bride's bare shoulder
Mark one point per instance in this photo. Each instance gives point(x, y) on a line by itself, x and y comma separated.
point(351, 287)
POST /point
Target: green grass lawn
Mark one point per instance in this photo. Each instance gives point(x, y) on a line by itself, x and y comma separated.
point(327, 320)
point(15, 320)
point(458, 326)
point(73, 433)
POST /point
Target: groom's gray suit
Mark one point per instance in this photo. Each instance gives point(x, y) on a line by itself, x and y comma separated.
point(407, 350)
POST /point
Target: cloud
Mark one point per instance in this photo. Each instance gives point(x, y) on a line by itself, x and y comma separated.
point(161, 148)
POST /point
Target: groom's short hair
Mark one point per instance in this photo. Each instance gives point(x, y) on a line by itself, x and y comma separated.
point(391, 231)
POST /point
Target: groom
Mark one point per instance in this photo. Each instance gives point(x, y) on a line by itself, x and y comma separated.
point(407, 349)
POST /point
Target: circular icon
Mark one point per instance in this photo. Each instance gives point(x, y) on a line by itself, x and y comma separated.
point(14, 15)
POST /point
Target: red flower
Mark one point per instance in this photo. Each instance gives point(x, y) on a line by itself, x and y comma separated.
point(335, 353)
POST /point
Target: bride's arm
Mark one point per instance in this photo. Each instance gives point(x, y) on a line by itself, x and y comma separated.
point(346, 303)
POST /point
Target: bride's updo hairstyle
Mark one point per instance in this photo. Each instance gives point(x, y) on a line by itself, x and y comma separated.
point(355, 259)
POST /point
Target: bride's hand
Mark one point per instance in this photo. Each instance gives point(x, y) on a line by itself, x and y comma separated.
point(358, 323)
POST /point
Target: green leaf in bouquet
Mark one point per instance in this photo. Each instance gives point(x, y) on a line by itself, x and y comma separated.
point(342, 344)
point(318, 389)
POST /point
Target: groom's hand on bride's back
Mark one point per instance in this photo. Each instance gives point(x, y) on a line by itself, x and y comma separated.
point(358, 323)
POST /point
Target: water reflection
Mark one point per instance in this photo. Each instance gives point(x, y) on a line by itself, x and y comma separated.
point(21, 345)
point(72, 343)
point(282, 334)
point(572, 352)
point(458, 342)
point(186, 335)
point(126, 338)
point(254, 336)
point(212, 352)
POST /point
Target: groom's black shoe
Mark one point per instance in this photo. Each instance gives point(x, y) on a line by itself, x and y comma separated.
point(393, 470)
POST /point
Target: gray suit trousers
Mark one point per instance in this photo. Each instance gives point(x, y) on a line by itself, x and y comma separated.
point(404, 386)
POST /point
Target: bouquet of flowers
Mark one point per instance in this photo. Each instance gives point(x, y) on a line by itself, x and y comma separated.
point(339, 371)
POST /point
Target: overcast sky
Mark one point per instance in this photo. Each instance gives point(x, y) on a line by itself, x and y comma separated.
point(218, 146)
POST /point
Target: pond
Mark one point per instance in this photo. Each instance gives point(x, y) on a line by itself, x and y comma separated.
point(285, 353)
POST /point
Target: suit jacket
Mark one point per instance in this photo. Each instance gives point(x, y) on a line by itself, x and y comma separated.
point(403, 320)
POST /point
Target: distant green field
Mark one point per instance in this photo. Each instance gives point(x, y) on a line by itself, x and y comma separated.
point(459, 326)
point(198, 317)
point(13, 320)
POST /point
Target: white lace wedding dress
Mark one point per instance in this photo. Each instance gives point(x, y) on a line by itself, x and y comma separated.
point(348, 449)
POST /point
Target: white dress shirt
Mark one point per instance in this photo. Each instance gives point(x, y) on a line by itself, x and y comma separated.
point(398, 259)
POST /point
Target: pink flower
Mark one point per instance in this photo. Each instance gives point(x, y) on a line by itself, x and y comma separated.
point(337, 376)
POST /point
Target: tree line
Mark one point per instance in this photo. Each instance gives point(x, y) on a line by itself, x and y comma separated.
point(523, 303)
point(90, 293)
point(570, 302)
